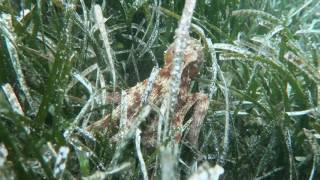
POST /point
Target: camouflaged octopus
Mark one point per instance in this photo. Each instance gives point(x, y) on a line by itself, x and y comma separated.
point(197, 103)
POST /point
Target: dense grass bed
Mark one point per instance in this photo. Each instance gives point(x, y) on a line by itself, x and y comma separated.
point(63, 62)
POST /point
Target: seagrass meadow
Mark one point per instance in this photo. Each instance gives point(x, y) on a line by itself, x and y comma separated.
point(65, 64)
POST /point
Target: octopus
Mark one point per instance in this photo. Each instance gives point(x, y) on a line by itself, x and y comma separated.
point(195, 103)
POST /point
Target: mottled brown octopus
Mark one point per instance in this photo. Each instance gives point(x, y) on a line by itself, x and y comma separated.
point(196, 103)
